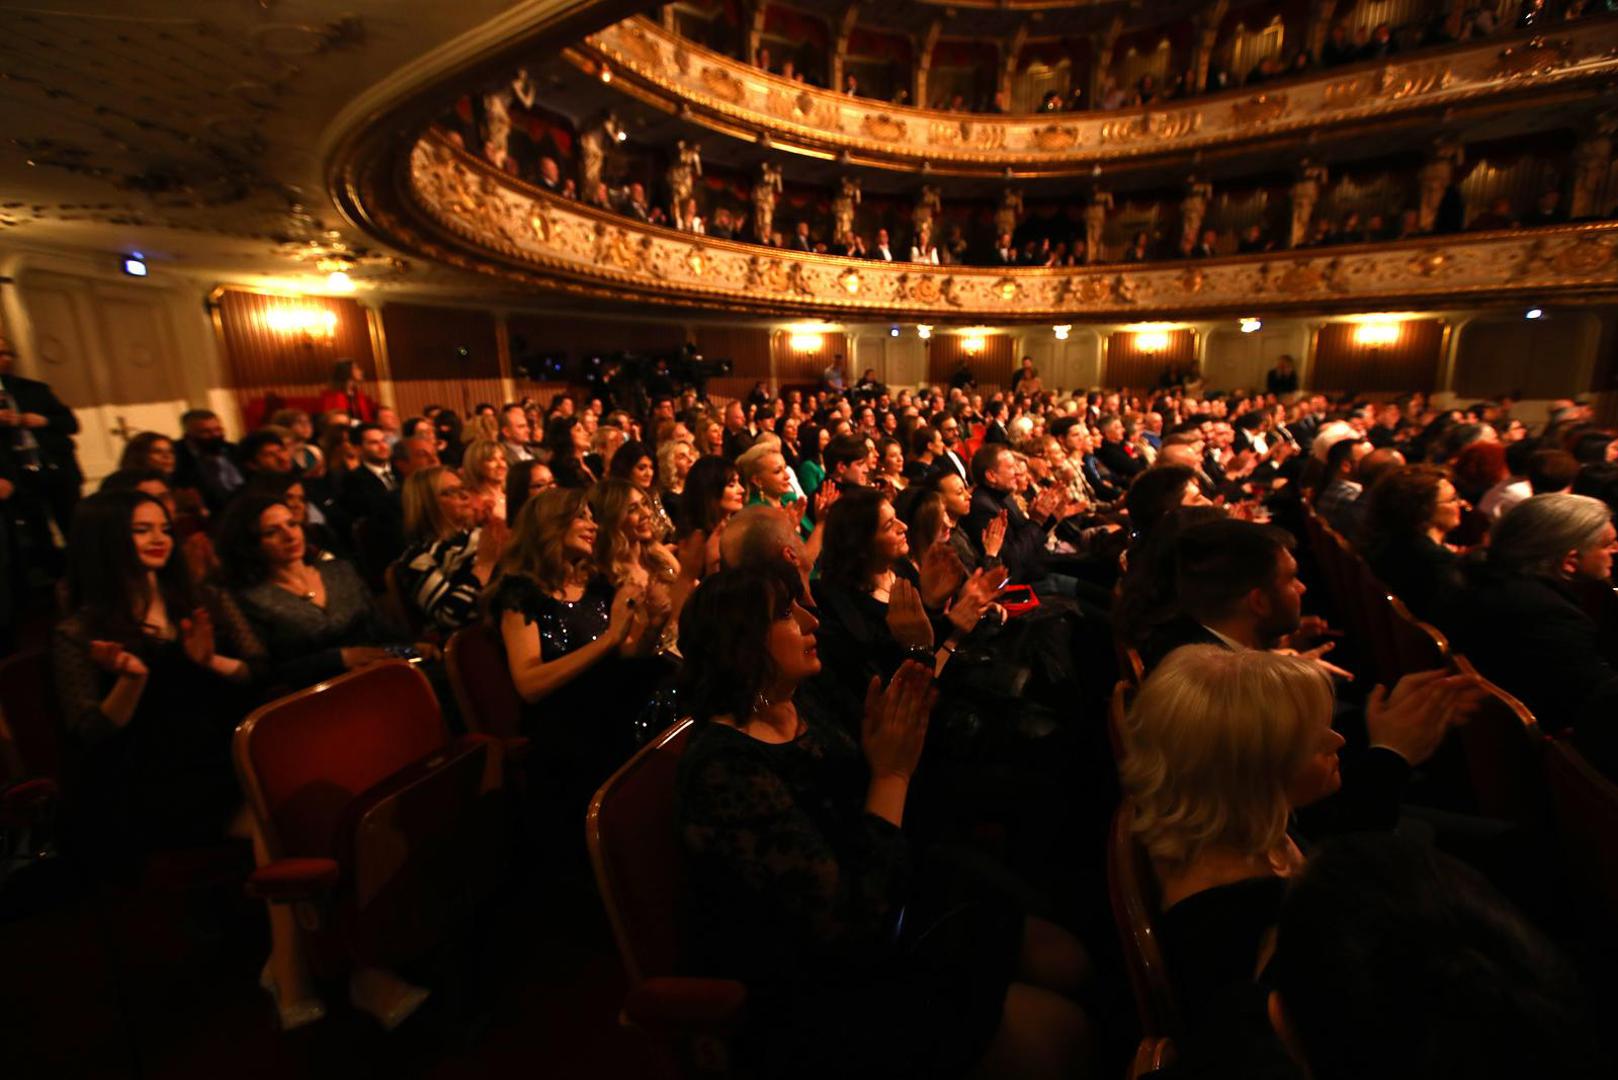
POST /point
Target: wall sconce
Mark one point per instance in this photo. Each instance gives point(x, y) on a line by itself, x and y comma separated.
point(311, 323)
point(850, 280)
point(1375, 334)
point(1252, 326)
point(806, 342)
point(1152, 341)
point(973, 343)
point(923, 331)
point(1062, 331)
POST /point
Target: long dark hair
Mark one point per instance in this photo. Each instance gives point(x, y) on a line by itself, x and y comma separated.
point(137, 454)
point(241, 550)
point(809, 441)
point(628, 456)
point(559, 437)
point(846, 556)
point(724, 636)
point(704, 487)
point(106, 582)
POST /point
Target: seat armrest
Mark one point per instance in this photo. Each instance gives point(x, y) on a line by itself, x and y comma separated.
point(25, 794)
point(287, 880)
point(675, 1004)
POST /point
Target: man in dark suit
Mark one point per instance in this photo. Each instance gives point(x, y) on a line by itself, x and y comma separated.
point(1005, 253)
point(949, 429)
point(205, 461)
point(37, 430)
point(881, 251)
point(800, 238)
point(1119, 457)
point(371, 496)
point(995, 430)
point(994, 470)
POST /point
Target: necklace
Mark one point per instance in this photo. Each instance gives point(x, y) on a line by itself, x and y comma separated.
point(298, 584)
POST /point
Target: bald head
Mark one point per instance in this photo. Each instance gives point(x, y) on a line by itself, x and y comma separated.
point(759, 537)
point(1179, 454)
point(1381, 460)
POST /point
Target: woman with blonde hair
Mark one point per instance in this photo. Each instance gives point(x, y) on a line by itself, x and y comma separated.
point(483, 470)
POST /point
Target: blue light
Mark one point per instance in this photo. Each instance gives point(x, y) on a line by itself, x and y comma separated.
point(135, 265)
point(893, 331)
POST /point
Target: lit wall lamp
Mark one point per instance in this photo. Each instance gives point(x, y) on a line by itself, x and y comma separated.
point(1377, 333)
point(1152, 341)
point(924, 331)
point(310, 323)
point(973, 343)
point(806, 342)
point(1062, 331)
point(1252, 326)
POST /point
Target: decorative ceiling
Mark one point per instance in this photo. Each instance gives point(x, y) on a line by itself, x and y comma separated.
point(193, 132)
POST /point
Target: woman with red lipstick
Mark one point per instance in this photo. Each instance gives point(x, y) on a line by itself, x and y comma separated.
point(579, 649)
point(145, 689)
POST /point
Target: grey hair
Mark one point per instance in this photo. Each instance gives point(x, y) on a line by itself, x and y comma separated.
point(1537, 534)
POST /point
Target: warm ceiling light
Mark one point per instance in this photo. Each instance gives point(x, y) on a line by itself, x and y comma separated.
point(1534, 313)
point(806, 342)
point(1380, 332)
point(1252, 326)
point(311, 322)
point(1062, 331)
point(1152, 341)
point(339, 281)
point(606, 73)
point(972, 343)
point(924, 331)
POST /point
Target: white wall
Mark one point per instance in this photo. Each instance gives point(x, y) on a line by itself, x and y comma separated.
point(1234, 360)
point(127, 354)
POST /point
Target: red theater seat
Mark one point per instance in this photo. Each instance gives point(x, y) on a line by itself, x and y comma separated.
point(1134, 892)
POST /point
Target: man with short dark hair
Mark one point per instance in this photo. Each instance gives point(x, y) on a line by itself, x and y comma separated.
point(1118, 456)
point(367, 487)
point(204, 461)
point(264, 451)
point(1237, 585)
point(847, 461)
point(949, 429)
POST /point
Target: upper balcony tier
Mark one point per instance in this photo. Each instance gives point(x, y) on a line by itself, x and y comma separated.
point(448, 205)
point(641, 57)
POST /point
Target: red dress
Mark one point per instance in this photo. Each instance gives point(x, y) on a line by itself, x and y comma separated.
point(359, 406)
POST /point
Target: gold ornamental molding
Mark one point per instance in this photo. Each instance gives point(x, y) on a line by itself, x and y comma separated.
point(737, 98)
point(455, 208)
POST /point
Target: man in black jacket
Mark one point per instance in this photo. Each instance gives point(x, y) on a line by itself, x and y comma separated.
point(1024, 549)
point(37, 430)
point(205, 461)
point(1119, 457)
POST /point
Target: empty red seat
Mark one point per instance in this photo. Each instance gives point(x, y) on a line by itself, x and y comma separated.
point(481, 680)
point(639, 871)
point(380, 827)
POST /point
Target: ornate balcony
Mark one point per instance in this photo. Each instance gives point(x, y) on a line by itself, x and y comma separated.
point(737, 98)
point(457, 209)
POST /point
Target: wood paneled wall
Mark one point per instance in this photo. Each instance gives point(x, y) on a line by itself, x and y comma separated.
point(1409, 362)
point(793, 366)
point(991, 368)
point(424, 357)
point(260, 360)
point(1130, 365)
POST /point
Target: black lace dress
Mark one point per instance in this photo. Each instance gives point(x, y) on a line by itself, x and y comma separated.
point(592, 724)
point(858, 958)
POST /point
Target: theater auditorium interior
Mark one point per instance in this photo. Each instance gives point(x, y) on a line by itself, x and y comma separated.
point(805, 538)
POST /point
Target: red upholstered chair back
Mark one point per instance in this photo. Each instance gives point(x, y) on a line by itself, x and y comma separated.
point(28, 702)
point(476, 659)
point(636, 853)
point(1133, 889)
point(303, 758)
point(1503, 744)
point(1586, 806)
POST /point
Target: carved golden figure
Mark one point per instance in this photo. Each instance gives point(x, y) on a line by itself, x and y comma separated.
point(1305, 194)
point(765, 191)
point(842, 209)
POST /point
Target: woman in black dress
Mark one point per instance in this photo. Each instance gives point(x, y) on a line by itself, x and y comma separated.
point(1411, 510)
point(568, 440)
point(580, 651)
point(859, 961)
point(148, 692)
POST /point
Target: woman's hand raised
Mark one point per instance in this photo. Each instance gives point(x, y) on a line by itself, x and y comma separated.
point(625, 603)
point(907, 618)
point(895, 725)
point(196, 635)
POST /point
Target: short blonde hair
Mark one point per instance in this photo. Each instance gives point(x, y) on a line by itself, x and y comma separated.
point(1211, 743)
point(750, 463)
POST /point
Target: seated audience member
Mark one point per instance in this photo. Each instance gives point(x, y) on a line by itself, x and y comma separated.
point(1119, 456)
point(524, 480)
point(484, 469)
point(264, 450)
point(1339, 503)
point(313, 620)
point(1552, 472)
point(451, 557)
point(1512, 488)
point(635, 462)
point(994, 468)
point(890, 465)
point(374, 494)
point(926, 448)
point(1524, 629)
point(1411, 511)
point(674, 461)
point(568, 441)
point(763, 469)
point(798, 869)
point(322, 541)
point(451, 442)
point(1220, 748)
point(1464, 985)
point(147, 691)
point(812, 442)
point(204, 461)
point(149, 450)
point(955, 503)
point(1148, 596)
point(1478, 468)
point(578, 647)
point(366, 490)
point(196, 547)
point(627, 550)
point(713, 492)
point(847, 462)
point(1157, 492)
point(300, 433)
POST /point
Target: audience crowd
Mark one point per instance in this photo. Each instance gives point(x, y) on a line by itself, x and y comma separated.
point(896, 617)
